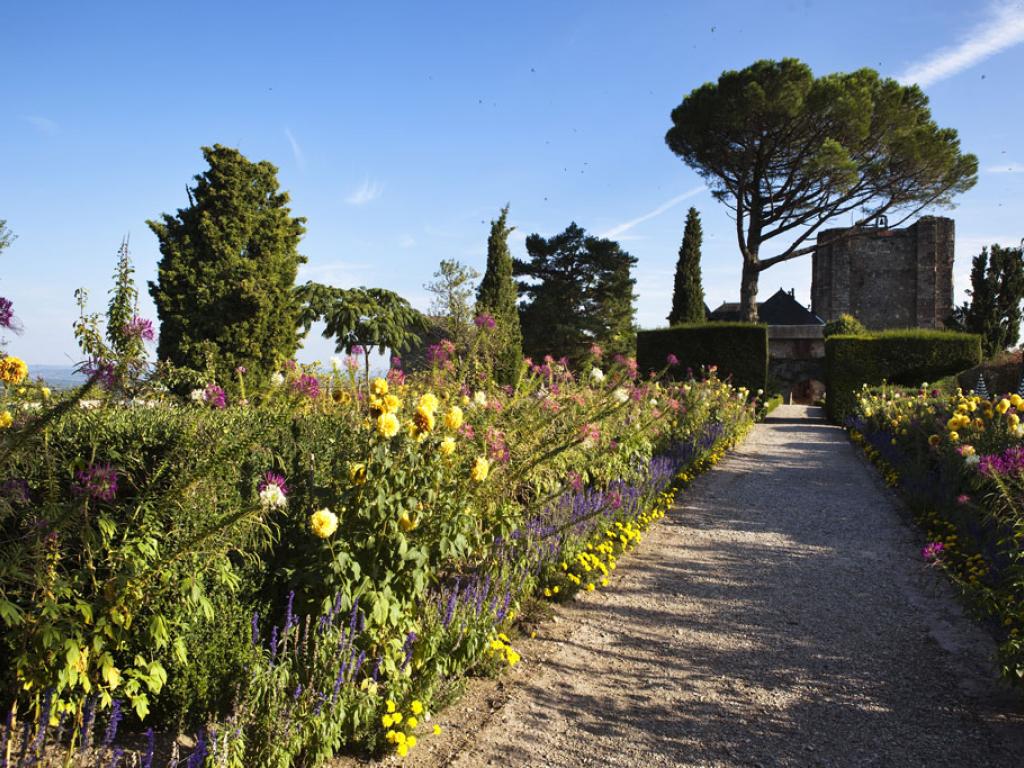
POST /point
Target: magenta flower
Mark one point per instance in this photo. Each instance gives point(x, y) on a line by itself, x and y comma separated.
point(932, 551)
point(97, 481)
point(6, 313)
point(672, 360)
point(102, 370)
point(485, 321)
point(214, 396)
point(358, 350)
point(307, 385)
point(272, 478)
point(963, 498)
point(141, 328)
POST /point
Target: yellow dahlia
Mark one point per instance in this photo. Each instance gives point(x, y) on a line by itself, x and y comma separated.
point(13, 370)
point(6, 419)
point(323, 522)
point(379, 387)
point(454, 418)
point(447, 446)
point(357, 473)
point(428, 402)
point(481, 467)
point(388, 425)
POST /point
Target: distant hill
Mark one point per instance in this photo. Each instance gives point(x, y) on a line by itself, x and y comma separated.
point(57, 376)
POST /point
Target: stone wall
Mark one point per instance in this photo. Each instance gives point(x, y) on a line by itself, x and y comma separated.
point(796, 361)
point(886, 278)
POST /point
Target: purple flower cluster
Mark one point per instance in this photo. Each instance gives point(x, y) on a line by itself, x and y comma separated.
point(98, 481)
point(141, 328)
point(672, 360)
point(932, 551)
point(440, 354)
point(485, 321)
point(272, 478)
point(103, 371)
point(214, 396)
point(307, 385)
point(1009, 462)
point(6, 313)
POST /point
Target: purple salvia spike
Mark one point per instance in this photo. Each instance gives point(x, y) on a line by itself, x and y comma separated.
point(147, 758)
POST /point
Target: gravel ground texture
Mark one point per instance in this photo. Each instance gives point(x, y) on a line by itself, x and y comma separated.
point(780, 615)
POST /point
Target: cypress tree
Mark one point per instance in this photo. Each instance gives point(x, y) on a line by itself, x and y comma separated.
point(497, 297)
point(225, 292)
point(688, 292)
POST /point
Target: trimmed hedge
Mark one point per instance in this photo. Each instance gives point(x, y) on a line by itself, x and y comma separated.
point(905, 356)
point(740, 350)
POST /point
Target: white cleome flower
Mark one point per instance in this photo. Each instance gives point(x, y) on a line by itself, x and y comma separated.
point(197, 395)
point(596, 375)
point(277, 379)
point(621, 395)
point(973, 459)
point(271, 497)
point(480, 398)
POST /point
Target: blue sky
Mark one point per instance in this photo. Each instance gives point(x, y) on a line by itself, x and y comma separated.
point(401, 129)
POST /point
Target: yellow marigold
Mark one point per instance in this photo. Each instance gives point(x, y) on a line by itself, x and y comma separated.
point(953, 437)
point(379, 387)
point(428, 403)
point(1016, 400)
point(357, 473)
point(416, 707)
point(323, 522)
point(447, 446)
point(6, 419)
point(437, 730)
point(1003, 406)
point(388, 424)
point(454, 418)
point(13, 370)
point(481, 467)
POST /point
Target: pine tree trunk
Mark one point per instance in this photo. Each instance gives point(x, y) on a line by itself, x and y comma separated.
point(748, 292)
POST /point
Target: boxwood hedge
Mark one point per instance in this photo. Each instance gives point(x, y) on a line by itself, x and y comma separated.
point(904, 356)
point(740, 350)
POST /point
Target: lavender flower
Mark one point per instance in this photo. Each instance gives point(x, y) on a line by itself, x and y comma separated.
point(198, 756)
point(289, 617)
point(273, 644)
point(147, 758)
point(256, 628)
point(115, 720)
point(98, 481)
point(410, 640)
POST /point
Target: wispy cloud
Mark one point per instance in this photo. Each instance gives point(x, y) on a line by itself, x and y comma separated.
point(1006, 168)
point(44, 125)
point(628, 225)
point(1002, 28)
point(343, 274)
point(406, 241)
point(365, 193)
point(300, 158)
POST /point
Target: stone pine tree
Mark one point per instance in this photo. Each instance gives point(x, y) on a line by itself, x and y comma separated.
point(788, 152)
point(225, 290)
point(688, 291)
point(579, 291)
point(497, 297)
point(997, 289)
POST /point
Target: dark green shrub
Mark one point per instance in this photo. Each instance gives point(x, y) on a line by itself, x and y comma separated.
point(740, 350)
point(844, 325)
point(906, 357)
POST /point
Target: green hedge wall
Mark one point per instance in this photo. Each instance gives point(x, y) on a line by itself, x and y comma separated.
point(906, 357)
point(738, 349)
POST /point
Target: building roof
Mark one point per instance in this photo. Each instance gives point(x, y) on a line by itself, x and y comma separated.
point(781, 308)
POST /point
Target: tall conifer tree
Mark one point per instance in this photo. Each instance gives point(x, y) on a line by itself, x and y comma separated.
point(688, 293)
point(497, 297)
point(225, 290)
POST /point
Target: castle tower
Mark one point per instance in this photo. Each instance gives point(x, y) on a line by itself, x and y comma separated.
point(886, 278)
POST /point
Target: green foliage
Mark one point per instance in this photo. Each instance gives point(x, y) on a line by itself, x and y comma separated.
point(226, 279)
point(688, 291)
point(740, 350)
point(497, 297)
point(361, 317)
point(6, 236)
point(787, 152)
point(906, 357)
point(119, 349)
point(453, 290)
point(997, 289)
point(579, 292)
point(844, 325)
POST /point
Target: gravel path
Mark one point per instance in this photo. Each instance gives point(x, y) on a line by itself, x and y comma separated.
point(780, 615)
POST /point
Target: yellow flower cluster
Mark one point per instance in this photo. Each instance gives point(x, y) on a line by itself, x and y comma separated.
point(13, 370)
point(481, 468)
point(6, 419)
point(403, 739)
point(425, 417)
point(501, 647)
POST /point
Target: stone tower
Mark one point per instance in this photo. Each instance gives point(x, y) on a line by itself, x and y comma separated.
point(886, 278)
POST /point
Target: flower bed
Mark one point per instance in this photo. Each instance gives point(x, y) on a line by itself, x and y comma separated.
point(312, 574)
point(959, 462)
